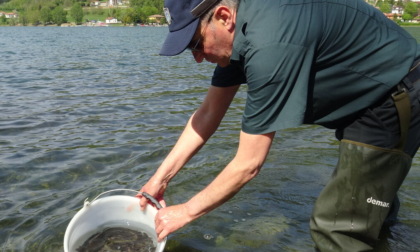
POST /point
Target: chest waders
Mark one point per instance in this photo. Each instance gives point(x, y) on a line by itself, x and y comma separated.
point(351, 209)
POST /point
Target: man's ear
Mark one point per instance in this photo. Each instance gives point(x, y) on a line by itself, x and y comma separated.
point(225, 16)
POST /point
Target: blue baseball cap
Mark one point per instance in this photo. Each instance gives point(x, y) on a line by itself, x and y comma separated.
point(183, 17)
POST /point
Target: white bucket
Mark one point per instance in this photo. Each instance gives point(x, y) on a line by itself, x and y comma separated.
point(117, 211)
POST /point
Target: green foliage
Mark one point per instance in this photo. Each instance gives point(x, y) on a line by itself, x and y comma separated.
point(45, 12)
point(33, 17)
point(23, 19)
point(128, 16)
point(27, 17)
point(3, 20)
point(390, 2)
point(406, 16)
point(76, 12)
point(92, 13)
point(148, 11)
point(59, 15)
point(385, 7)
point(411, 9)
point(399, 3)
point(158, 4)
point(45, 15)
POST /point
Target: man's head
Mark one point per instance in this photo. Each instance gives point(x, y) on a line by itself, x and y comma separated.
point(191, 22)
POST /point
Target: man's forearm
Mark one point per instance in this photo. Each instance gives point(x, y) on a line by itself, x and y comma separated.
point(244, 167)
point(188, 144)
point(200, 127)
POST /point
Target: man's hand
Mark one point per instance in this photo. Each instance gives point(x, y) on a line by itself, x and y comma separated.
point(156, 190)
point(170, 219)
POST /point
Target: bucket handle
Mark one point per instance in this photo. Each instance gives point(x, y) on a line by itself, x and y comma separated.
point(146, 195)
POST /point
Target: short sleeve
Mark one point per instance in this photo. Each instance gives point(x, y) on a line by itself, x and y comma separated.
point(228, 76)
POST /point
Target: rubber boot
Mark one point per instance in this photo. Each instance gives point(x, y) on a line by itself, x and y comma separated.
point(351, 209)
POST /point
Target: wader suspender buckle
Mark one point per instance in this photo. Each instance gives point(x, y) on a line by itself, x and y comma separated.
point(402, 103)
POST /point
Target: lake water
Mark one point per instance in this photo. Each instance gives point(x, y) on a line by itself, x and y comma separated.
point(86, 110)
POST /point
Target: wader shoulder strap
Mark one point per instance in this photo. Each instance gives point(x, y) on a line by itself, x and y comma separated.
point(402, 102)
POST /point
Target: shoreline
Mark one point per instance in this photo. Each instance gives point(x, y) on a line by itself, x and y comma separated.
point(86, 25)
point(131, 25)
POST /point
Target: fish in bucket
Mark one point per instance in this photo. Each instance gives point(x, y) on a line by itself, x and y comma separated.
point(114, 223)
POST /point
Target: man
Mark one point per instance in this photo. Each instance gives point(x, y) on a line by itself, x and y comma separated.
point(337, 63)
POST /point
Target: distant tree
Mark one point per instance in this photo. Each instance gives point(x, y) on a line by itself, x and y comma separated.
point(385, 7)
point(23, 19)
point(406, 17)
point(14, 21)
point(411, 8)
point(58, 15)
point(149, 10)
point(37, 10)
point(136, 15)
point(128, 16)
point(34, 17)
point(76, 12)
point(45, 15)
point(3, 20)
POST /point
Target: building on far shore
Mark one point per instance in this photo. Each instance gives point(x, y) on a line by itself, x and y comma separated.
point(155, 18)
point(8, 15)
point(111, 20)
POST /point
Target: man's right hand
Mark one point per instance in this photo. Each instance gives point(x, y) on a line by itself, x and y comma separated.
point(156, 190)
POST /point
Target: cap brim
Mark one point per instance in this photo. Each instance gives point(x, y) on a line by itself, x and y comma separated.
point(177, 41)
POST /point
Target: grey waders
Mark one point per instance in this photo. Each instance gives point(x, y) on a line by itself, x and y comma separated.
point(376, 152)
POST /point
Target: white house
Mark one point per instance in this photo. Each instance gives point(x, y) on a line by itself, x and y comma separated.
point(115, 2)
point(111, 20)
point(397, 10)
point(11, 15)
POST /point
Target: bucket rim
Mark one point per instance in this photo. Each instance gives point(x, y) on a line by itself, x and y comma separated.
point(99, 198)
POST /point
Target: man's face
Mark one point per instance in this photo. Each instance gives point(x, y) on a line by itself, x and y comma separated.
point(212, 42)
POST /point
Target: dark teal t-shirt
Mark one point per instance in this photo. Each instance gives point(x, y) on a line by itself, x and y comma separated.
point(313, 61)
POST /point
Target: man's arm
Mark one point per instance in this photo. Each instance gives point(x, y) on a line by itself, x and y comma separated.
point(202, 124)
point(250, 157)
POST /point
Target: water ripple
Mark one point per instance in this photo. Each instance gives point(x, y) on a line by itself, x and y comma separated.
point(85, 110)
